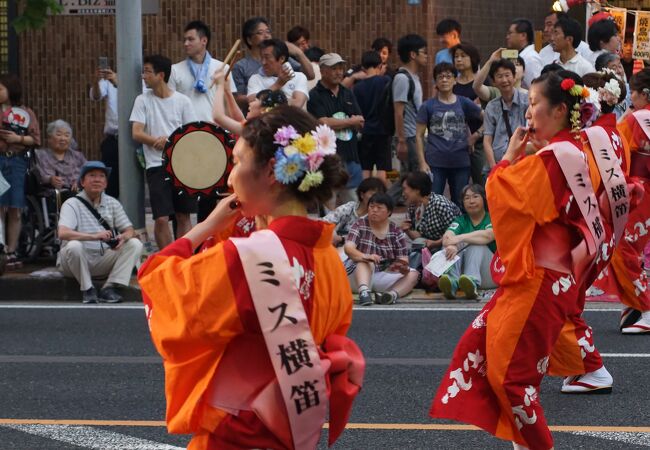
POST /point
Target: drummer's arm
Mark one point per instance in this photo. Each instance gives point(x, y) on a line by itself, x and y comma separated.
point(219, 112)
point(233, 108)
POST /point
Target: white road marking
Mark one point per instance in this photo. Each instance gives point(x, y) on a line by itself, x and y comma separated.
point(139, 306)
point(642, 439)
point(625, 355)
point(92, 438)
point(453, 308)
point(70, 306)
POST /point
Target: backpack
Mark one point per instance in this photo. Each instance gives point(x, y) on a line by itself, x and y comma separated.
point(385, 107)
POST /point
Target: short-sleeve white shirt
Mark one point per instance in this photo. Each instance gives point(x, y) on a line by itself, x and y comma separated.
point(533, 65)
point(182, 80)
point(577, 64)
point(259, 81)
point(161, 116)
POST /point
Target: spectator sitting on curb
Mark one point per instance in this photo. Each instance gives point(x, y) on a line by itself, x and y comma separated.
point(97, 237)
point(472, 233)
point(378, 252)
point(429, 214)
point(348, 213)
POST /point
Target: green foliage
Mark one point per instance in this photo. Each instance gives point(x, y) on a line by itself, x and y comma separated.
point(34, 14)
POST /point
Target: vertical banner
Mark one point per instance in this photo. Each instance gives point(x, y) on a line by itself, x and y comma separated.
point(620, 16)
point(642, 36)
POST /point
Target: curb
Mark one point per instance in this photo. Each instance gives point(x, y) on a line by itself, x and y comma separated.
point(22, 287)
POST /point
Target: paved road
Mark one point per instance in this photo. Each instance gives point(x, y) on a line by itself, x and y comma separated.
point(73, 377)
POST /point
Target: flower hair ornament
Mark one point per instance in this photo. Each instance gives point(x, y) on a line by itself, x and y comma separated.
point(584, 111)
point(302, 155)
point(611, 92)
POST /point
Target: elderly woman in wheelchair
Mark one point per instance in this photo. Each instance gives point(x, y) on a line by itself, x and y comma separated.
point(59, 165)
point(53, 178)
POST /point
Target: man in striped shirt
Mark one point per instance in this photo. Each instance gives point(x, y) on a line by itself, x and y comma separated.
point(88, 248)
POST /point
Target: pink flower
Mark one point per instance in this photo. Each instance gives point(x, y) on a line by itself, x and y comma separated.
point(284, 135)
point(314, 160)
point(326, 139)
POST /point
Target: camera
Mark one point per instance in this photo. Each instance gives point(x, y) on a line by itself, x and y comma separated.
point(113, 242)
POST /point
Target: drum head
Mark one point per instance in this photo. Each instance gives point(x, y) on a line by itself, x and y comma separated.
point(198, 158)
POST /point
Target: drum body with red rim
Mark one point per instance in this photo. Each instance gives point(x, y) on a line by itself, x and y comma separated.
point(198, 158)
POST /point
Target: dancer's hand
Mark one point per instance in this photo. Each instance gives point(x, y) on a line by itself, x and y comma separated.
point(221, 217)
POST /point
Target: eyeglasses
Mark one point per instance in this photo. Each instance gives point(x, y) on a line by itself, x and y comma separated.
point(263, 32)
point(422, 52)
point(445, 76)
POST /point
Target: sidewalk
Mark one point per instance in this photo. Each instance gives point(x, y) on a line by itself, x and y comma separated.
point(41, 281)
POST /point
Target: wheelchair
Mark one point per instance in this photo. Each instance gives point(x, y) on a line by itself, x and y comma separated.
point(38, 235)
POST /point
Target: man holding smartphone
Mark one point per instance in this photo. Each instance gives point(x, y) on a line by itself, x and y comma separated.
point(104, 87)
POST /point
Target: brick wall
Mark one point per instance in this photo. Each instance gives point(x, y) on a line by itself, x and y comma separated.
point(57, 62)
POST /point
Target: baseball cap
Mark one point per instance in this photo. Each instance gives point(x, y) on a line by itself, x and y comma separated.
point(330, 59)
point(94, 165)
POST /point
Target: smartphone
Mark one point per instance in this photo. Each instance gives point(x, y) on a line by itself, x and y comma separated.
point(509, 54)
point(287, 66)
point(102, 63)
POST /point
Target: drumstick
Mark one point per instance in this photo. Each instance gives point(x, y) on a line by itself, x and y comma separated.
point(234, 60)
point(230, 55)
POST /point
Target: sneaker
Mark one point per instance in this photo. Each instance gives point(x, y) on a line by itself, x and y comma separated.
point(641, 326)
point(385, 298)
point(13, 262)
point(628, 317)
point(597, 382)
point(365, 299)
point(468, 286)
point(89, 296)
point(448, 286)
point(109, 295)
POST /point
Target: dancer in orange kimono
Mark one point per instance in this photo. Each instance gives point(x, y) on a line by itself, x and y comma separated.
point(575, 355)
point(496, 370)
point(626, 275)
point(252, 330)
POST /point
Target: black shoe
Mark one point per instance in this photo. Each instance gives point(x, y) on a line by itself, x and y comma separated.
point(385, 298)
point(109, 295)
point(90, 296)
point(365, 299)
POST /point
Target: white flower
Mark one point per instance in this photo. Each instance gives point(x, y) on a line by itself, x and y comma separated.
point(326, 139)
point(290, 150)
point(613, 87)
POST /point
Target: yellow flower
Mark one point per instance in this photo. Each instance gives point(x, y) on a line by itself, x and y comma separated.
point(305, 144)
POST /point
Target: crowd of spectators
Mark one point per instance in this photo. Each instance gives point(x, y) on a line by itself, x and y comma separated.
point(444, 144)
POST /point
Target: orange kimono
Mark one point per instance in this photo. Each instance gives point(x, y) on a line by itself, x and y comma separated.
point(494, 378)
point(197, 305)
point(625, 277)
point(575, 352)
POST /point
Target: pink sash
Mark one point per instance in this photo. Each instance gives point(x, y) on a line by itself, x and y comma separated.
point(575, 170)
point(287, 335)
point(643, 117)
point(612, 176)
point(252, 373)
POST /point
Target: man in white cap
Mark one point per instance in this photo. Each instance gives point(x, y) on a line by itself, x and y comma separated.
point(97, 238)
point(334, 105)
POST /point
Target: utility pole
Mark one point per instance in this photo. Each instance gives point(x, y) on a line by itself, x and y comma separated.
point(128, 28)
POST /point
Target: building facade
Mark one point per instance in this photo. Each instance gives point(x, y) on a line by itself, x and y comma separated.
point(57, 62)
